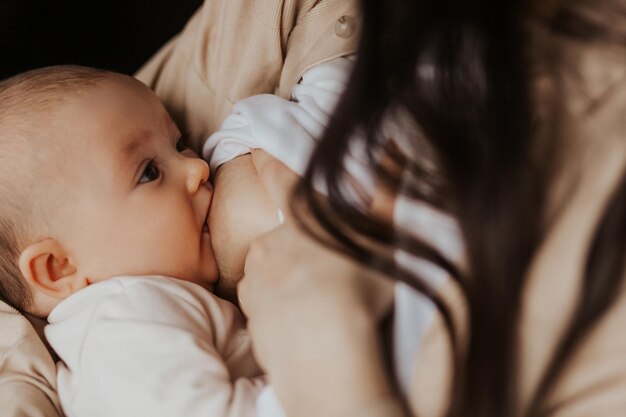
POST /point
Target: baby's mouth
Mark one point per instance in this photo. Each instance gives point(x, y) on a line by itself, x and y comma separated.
point(205, 226)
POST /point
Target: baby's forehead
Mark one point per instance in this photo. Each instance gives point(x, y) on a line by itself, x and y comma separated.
point(26, 156)
point(116, 120)
point(38, 135)
point(98, 113)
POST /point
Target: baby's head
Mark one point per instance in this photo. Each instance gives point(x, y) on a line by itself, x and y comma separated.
point(95, 183)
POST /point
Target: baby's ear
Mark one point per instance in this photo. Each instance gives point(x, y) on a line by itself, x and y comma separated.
point(47, 270)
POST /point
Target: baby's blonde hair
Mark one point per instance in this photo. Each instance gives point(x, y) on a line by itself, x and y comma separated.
point(27, 101)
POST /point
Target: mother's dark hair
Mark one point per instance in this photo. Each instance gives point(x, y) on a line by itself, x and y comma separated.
point(461, 70)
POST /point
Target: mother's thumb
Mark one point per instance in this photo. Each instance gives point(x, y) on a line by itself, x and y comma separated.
point(276, 177)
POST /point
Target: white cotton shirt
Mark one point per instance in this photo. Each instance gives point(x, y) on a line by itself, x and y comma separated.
point(286, 129)
point(413, 312)
point(155, 346)
point(289, 130)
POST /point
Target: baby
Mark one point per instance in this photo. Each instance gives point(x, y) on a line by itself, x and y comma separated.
point(103, 229)
point(127, 207)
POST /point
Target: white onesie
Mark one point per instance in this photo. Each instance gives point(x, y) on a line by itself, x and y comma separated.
point(288, 130)
point(154, 346)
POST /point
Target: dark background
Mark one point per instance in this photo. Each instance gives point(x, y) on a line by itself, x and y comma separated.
point(116, 35)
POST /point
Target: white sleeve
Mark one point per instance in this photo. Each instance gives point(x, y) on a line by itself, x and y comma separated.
point(153, 350)
point(288, 130)
point(414, 312)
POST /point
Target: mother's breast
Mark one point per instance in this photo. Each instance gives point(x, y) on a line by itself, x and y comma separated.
point(240, 212)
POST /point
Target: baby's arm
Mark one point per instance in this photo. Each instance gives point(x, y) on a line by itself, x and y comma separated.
point(288, 130)
point(153, 346)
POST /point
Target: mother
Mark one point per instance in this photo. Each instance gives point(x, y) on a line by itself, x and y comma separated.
point(519, 107)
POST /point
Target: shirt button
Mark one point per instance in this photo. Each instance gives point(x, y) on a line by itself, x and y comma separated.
point(344, 28)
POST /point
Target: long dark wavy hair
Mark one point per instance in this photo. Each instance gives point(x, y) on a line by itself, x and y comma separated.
point(461, 71)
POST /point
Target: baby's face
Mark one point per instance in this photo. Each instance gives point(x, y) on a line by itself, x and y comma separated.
point(139, 202)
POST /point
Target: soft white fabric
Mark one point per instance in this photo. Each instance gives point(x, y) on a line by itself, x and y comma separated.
point(288, 130)
point(413, 312)
point(154, 346)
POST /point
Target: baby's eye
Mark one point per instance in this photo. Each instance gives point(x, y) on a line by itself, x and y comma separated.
point(150, 173)
point(180, 144)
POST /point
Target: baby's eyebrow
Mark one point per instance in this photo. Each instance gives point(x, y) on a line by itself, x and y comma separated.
point(130, 150)
point(139, 137)
point(134, 141)
point(127, 153)
point(169, 124)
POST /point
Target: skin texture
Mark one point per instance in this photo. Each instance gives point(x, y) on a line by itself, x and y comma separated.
point(128, 201)
point(296, 291)
point(241, 211)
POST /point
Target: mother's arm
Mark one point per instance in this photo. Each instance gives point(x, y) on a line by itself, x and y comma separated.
point(233, 49)
point(313, 316)
point(27, 371)
point(313, 328)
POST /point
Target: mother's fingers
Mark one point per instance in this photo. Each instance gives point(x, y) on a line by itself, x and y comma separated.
point(245, 286)
point(276, 177)
point(262, 262)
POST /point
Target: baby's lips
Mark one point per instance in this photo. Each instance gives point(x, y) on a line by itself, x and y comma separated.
point(205, 224)
point(209, 185)
point(208, 209)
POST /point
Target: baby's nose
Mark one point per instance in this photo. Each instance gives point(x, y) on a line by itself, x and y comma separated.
point(197, 174)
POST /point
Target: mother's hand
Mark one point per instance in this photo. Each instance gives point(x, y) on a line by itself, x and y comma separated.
point(313, 316)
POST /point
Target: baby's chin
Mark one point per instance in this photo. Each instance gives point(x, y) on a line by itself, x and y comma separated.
point(226, 288)
point(211, 277)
